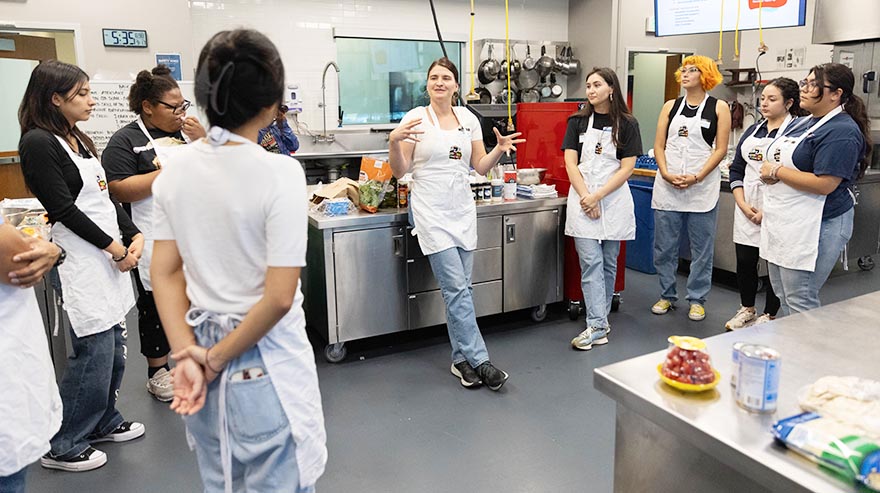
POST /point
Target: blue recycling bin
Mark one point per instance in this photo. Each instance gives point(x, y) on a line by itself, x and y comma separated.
point(640, 252)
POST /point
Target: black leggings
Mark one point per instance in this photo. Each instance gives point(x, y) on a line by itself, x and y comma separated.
point(154, 344)
point(747, 278)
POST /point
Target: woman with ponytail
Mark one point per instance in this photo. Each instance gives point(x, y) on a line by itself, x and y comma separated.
point(132, 161)
point(600, 149)
point(780, 105)
point(808, 203)
point(230, 226)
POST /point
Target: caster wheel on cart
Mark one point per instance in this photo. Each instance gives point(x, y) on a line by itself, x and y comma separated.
point(615, 302)
point(539, 313)
point(574, 310)
point(866, 263)
point(334, 353)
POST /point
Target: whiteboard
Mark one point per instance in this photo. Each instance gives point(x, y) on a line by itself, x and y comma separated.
point(111, 113)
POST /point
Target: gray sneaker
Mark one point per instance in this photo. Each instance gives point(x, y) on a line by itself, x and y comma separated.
point(466, 373)
point(160, 386)
point(591, 335)
point(491, 376)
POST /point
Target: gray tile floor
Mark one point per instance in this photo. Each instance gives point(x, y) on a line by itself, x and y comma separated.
point(397, 421)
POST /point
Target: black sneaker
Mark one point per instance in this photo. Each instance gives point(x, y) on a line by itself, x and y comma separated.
point(128, 430)
point(91, 458)
point(466, 373)
point(491, 376)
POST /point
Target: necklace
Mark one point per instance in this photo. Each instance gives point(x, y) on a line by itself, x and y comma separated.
point(691, 107)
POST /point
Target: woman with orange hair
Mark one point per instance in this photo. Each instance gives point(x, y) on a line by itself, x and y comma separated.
point(692, 138)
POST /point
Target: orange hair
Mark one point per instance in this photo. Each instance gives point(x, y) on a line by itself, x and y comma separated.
point(709, 74)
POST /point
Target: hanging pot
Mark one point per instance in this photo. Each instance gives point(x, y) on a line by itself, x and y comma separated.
point(492, 65)
point(527, 79)
point(545, 63)
point(483, 73)
point(544, 88)
point(574, 64)
point(529, 63)
point(555, 88)
point(530, 96)
point(504, 96)
point(485, 95)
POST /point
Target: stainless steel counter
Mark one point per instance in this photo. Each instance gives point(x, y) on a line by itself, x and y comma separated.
point(671, 441)
point(393, 216)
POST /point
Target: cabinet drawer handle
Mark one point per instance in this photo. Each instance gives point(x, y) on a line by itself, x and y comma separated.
point(398, 245)
point(510, 233)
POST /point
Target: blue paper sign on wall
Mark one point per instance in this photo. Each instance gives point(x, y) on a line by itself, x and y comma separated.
point(172, 61)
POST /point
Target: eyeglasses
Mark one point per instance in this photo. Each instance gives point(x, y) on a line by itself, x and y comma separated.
point(181, 108)
point(688, 70)
point(809, 85)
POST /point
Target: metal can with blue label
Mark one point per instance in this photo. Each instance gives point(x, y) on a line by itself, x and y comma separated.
point(757, 381)
point(734, 370)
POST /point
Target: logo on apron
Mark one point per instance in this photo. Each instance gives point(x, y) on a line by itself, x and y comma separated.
point(777, 155)
point(683, 131)
point(455, 152)
point(756, 154)
point(101, 183)
point(156, 163)
point(599, 148)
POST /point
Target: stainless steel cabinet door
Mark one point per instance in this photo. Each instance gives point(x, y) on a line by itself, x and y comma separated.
point(531, 250)
point(370, 270)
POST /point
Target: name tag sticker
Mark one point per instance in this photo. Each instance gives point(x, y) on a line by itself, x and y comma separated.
point(582, 138)
point(705, 123)
point(606, 129)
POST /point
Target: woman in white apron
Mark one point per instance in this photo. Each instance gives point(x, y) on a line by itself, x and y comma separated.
point(230, 228)
point(440, 143)
point(60, 166)
point(131, 162)
point(809, 172)
point(31, 410)
point(780, 105)
point(688, 183)
point(601, 145)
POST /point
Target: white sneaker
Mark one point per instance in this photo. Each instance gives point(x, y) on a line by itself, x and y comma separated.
point(160, 386)
point(744, 317)
point(91, 458)
point(763, 318)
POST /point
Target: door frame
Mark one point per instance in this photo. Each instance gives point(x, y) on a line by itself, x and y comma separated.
point(624, 79)
point(76, 29)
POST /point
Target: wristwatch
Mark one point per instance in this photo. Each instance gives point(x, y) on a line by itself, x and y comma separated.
point(61, 257)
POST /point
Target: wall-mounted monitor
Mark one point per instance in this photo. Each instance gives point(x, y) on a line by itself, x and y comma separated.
point(677, 17)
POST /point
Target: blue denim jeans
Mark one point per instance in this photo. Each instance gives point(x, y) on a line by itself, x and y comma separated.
point(89, 390)
point(14, 483)
point(262, 447)
point(667, 237)
point(453, 268)
point(798, 290)
point(598, 261)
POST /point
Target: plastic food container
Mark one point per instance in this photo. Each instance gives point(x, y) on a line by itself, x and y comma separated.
point(688, 366)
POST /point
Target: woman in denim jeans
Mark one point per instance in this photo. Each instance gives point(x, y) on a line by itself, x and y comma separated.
point(230, 224)
point(60, 166)
point(688, 182)
point(601, 144)
point(808, 203)
point(440, 143)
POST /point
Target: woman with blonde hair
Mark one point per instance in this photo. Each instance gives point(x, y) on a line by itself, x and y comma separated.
point(692, 138)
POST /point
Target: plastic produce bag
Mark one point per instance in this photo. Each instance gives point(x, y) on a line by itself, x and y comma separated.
point(373, 181)
point(832, 444)
point(334, 207)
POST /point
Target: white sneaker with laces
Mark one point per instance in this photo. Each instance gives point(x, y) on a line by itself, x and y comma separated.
point(744, 317)
point(763, 318)
point(160, 386)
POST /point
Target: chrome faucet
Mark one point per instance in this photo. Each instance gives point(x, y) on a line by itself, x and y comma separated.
point(325, 137)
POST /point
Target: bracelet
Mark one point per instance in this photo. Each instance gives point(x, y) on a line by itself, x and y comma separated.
point(208, 361)
point(774, 170)
point(120, 259)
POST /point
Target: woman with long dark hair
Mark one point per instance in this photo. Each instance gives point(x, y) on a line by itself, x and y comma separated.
point(245, 378)
point(692, 138)
point(60, 166)
point(780, 105)
point(439, 143)
point(808, 203)
point(601, 144)
point(132, 161)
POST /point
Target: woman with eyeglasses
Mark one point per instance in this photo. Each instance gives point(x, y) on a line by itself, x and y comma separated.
point(132, 160)
point(810, 171)
point(691, 141)
point(60, 166)
point(780, 106)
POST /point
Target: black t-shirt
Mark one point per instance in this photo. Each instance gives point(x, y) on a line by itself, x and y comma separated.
point(628, 134)
point(710, 114)
point(56, 182)
point(129, 152)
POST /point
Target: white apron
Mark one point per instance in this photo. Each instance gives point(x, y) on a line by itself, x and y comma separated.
point(745, 232)
point(617, 220)
point(792, 218)
point(443, 208)
point(686, 153)
point(96, 295)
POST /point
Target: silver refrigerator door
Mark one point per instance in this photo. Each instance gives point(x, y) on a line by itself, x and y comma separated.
point(531, 274)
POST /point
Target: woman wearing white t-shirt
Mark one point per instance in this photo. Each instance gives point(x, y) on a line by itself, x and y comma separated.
point(30, 412)
point(439, 143)
point(230, 228)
